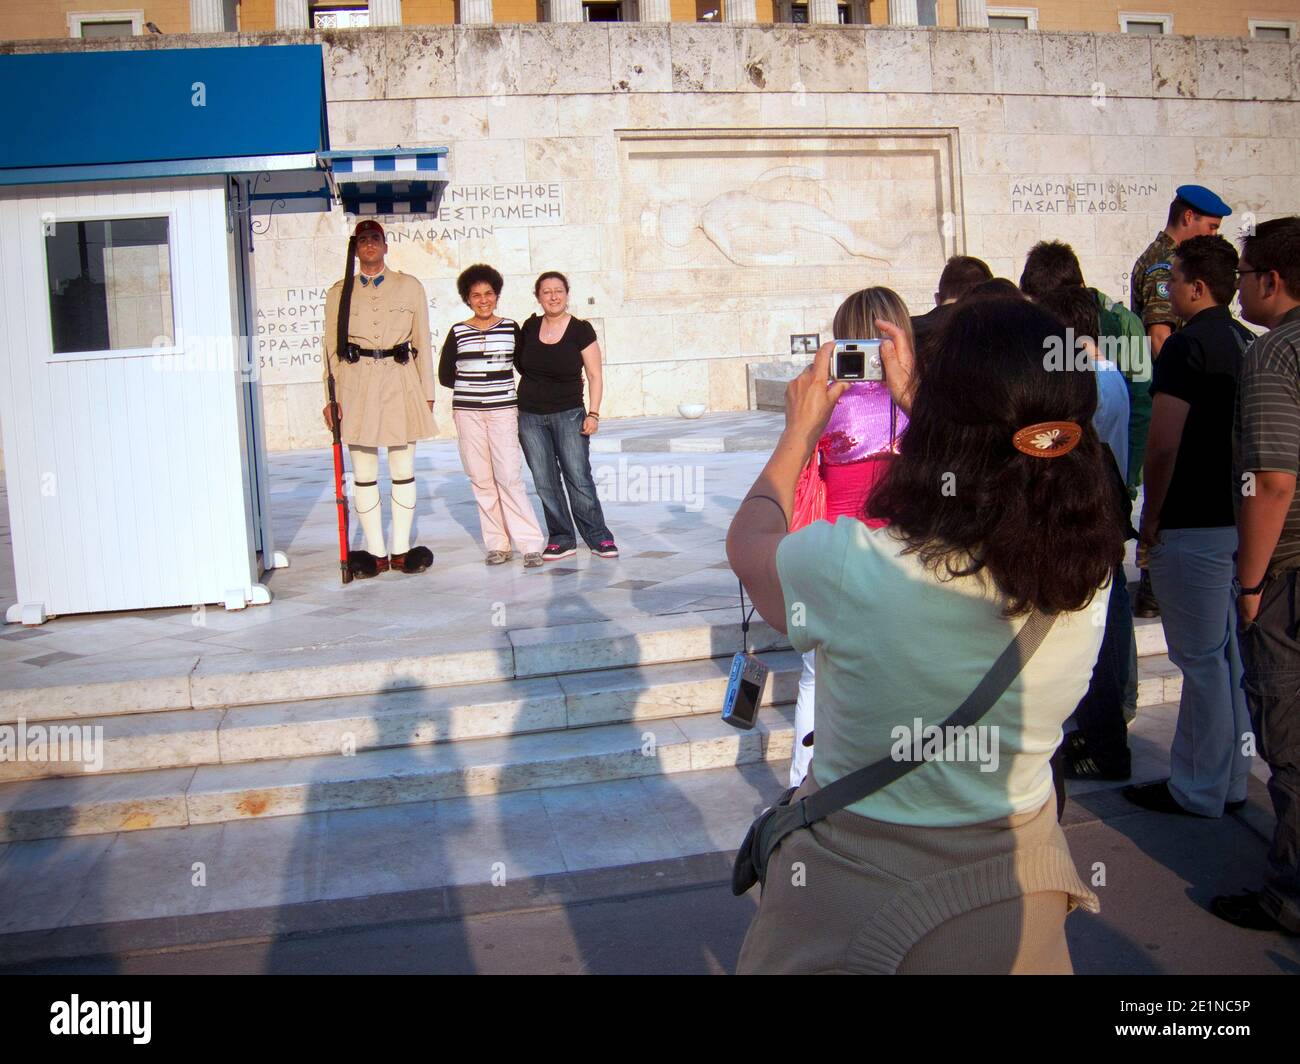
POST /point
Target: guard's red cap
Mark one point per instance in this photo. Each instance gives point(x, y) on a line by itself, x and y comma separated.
point(369, 225)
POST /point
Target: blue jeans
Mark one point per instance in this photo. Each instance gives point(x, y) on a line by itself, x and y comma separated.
point(1191, 573)
point(555, 447)
point(1100, 715)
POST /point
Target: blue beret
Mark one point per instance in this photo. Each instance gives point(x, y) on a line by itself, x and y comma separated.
point(1203, 200)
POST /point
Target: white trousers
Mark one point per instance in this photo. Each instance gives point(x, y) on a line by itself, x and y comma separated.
point(803, 719)
point(365, 495)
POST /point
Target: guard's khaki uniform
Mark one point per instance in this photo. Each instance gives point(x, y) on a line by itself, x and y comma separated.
point(383, 403)
point(1151, 276)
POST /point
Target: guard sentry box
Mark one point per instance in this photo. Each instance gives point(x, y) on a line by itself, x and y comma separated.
point(744, 689)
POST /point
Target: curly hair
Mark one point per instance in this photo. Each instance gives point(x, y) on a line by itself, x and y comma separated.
point(479, 273)
point(1049, 532)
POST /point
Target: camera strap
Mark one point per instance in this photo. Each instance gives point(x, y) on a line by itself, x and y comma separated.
point(744, 619)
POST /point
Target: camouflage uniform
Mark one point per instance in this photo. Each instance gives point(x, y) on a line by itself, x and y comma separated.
point(1152, 273)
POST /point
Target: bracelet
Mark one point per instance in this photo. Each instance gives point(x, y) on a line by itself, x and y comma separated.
point(769, 498)
point(592, 414)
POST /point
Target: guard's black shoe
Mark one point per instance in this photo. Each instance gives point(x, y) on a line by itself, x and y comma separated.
point(1144, 603)
point(415, 560)
point(364, 565)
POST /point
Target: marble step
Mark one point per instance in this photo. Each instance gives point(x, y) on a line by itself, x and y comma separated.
point(218, 680)
point(98, 804)
point(209, 680)
point(316, 727)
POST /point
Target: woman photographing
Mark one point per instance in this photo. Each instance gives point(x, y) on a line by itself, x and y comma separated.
point(851, 456)
point(998, 515)
point(555, 429)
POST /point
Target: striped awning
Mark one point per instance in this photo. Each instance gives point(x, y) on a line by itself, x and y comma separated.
point(389, 181)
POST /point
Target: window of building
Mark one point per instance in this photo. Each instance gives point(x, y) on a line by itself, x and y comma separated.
point(1142, 24)
point(110, 285)
point(1013, 18)
point(708, 10)
point(340, 16)
point(602, 12)
point(97, 24)
point(1263, 30)
point(927, 12)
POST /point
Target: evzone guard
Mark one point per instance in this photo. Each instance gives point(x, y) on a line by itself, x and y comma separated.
point(379, 377)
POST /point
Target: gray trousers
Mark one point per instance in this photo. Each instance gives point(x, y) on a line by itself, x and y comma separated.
point(1270, 650)
point(1191, 572)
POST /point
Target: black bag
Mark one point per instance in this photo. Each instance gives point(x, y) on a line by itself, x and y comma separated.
point(775, 823)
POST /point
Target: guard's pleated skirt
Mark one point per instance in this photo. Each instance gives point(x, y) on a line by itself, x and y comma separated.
point(383, 403)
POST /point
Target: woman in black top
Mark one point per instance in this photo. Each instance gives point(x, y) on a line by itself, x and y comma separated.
point(554, 429)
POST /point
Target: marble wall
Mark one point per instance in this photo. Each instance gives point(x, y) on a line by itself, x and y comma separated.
point(712, 189)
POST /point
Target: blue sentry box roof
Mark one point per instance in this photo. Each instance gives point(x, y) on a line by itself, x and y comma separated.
point(95, 108)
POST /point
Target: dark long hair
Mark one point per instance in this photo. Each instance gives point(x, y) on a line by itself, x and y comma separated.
point(1049, 531)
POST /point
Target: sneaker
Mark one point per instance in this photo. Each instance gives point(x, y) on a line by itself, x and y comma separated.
point(532, 560)
point(607, 549)
point(1079, 763)
point(554, 552)
point(498, 557)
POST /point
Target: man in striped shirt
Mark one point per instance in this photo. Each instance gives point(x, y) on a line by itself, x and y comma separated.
point(1266, 443)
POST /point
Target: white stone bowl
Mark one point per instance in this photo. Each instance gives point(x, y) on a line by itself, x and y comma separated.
point(691, 410)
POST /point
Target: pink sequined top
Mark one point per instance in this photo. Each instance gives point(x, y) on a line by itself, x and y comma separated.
point(859, 428)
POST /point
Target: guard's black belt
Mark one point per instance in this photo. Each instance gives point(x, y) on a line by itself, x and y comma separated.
point(401, 353)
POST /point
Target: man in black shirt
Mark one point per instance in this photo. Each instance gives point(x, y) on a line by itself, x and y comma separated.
point(960, 274)
point(1189, 529)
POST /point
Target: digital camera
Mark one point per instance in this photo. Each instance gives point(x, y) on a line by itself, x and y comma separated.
point(857, 360)
point(744, 689)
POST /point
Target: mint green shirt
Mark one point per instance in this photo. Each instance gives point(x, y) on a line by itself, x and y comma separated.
point(896, 646)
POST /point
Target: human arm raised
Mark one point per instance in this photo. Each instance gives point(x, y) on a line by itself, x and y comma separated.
point(762, 519)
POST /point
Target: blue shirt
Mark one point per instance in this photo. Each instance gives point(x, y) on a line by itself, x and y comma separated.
point(1111, 418)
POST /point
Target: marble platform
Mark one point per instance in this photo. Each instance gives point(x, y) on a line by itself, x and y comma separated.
point(461, 682)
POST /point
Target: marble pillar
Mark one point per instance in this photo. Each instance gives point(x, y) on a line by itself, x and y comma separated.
point(739, 11)
point(973, 14)
point(903, 13)
point(824, 11)
point(292, 15)
point(385, 12)
point(212, 16)
point(656, 11)
point(476, 12)
point(566, 11)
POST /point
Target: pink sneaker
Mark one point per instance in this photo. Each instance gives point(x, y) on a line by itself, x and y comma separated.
point(607, 549)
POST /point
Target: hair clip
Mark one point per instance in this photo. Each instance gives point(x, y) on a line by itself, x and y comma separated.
point(1048, 439)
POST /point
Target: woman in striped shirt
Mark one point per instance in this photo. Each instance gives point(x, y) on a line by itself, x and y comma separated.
point(477, 363)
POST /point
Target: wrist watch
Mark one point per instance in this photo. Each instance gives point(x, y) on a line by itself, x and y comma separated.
point(1238, 590)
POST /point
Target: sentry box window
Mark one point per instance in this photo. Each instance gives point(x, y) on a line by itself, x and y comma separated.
point(110, 285)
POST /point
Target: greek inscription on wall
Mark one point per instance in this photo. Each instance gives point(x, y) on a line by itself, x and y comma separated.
point(1082, 195)
point(472, 212)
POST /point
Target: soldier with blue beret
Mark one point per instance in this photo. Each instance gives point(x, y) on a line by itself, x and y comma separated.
point(1195, 211)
